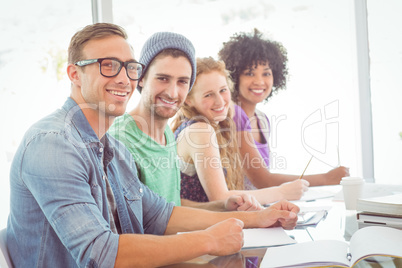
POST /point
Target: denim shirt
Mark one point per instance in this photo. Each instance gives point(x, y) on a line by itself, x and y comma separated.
point(59, 209)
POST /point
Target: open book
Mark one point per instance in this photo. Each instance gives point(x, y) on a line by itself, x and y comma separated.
point(367, 242)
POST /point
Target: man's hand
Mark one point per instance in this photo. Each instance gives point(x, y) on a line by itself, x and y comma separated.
point(226, 237)
point(243, 202)
point(283, 214)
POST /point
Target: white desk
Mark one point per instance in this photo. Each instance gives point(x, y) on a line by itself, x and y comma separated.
point(340, 224)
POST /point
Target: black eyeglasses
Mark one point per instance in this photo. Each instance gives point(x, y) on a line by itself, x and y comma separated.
point(109, 67)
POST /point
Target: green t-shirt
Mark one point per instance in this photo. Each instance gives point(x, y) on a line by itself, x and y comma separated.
point(157, 165)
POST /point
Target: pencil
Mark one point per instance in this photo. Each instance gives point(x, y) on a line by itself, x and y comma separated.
point(339, 158)
point(301, 176)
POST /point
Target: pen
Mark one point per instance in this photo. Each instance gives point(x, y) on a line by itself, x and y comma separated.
point(301, 176)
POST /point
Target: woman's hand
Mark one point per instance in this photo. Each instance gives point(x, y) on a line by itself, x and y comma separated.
point(293, 190)
point(335, 175)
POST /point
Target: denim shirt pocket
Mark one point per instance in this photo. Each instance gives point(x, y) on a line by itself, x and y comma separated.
point(133, 195)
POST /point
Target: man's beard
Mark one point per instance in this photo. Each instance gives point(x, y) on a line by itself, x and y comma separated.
point(163, 113)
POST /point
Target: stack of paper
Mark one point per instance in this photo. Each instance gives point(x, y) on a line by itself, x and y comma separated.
point(382, 211)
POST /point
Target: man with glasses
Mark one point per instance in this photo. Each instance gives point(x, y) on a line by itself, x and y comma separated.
point(75, 196)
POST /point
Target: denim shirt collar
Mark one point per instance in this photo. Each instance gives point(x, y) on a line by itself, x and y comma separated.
point(75, 115)
point(77, 118)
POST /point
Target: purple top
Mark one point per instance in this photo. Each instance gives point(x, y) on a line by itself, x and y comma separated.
point(243, 124)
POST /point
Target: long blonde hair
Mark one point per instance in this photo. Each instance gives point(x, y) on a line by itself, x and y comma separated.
point(225, 130)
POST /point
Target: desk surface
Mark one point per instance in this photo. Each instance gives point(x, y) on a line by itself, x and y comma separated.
point(340, 224)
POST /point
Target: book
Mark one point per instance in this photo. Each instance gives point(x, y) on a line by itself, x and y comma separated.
point(373, 241)
point(371, 219)
point(390, 204)
point(266, 237)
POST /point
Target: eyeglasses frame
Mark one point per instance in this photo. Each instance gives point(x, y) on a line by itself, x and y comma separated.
point(83, 63)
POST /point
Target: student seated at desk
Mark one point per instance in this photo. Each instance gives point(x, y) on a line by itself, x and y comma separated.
point(259, 68)
point(169, 58)
point(207, 146)
point(81, 204)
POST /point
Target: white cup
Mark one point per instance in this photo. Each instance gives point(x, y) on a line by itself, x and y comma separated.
point(352, 188)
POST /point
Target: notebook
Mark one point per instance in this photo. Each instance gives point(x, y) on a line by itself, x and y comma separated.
point(266, 237)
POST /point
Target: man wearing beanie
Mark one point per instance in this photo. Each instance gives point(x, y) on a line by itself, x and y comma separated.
point(169, 74)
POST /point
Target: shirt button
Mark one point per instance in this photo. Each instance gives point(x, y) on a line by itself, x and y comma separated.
point(140, 190)
point(104, 177)
point(100, 150)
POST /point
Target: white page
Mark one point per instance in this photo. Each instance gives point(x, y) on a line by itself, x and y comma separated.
point(318, 205)
point(317, 253)
point(376, 240)
point(266, 237)
point(317, 192)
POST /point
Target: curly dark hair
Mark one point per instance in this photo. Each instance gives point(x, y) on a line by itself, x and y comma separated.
point(246, 50)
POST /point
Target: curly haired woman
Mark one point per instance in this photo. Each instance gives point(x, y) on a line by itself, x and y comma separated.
point(259, 68)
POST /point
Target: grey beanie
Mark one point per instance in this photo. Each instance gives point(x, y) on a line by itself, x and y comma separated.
point(163, 40)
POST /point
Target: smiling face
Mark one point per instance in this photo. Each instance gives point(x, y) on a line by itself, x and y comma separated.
point(106, 97)
point(165, 86)
point(255, 84)
point(210, 96)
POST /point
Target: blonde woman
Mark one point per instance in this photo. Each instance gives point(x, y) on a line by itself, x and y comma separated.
point(210, 163)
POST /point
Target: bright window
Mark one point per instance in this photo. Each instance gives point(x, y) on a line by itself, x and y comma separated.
point(35, 37)
point(316, 114)
point(385, 42)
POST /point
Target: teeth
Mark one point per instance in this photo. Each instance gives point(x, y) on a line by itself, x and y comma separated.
point(257, 90)
point(168, 102)
point(118, 93)
point(220, 109)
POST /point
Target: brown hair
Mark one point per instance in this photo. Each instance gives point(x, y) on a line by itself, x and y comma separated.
point(88, 33)
point(225, 130)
